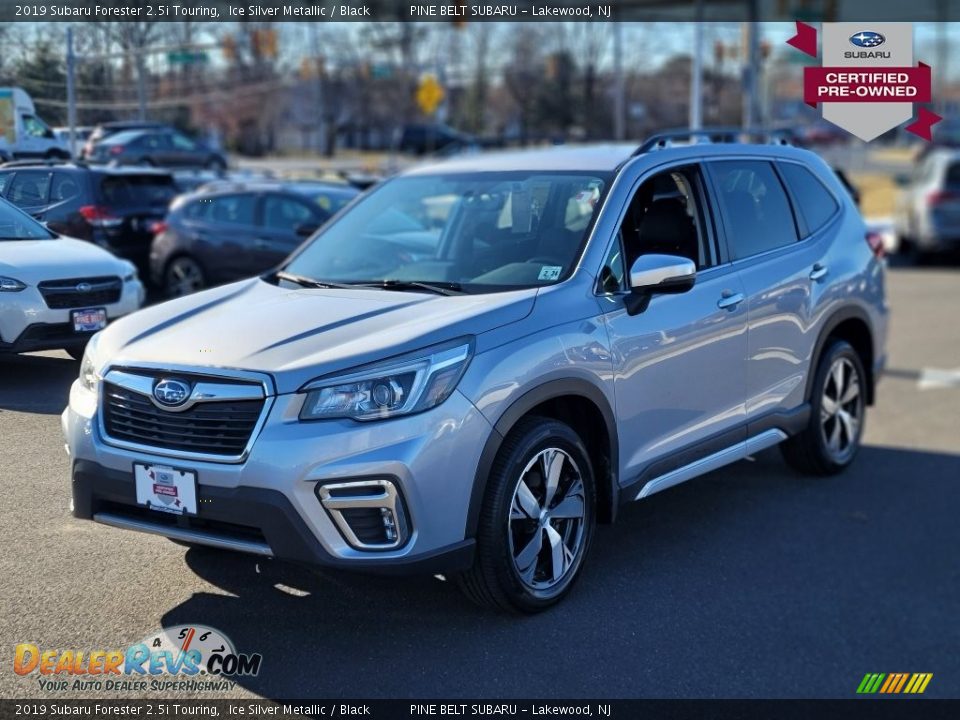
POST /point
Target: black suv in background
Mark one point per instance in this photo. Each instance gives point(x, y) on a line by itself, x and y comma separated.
point(226, 231)
point(115, 208)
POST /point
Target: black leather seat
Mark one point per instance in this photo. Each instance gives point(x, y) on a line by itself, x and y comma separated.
point(666, 229)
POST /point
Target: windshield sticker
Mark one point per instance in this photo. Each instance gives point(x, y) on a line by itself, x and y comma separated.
point(550, 272)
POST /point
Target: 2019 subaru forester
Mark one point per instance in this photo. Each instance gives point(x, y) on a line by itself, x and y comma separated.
point(473, 365)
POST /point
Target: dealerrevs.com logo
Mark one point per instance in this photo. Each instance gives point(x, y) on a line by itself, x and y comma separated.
point(181, 658)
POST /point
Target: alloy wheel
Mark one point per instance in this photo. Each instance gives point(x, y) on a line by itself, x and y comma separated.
point(547, 520)
point(841, 409)
point(184, 277)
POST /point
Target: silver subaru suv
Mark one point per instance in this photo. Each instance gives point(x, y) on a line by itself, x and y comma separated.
point(478, 362)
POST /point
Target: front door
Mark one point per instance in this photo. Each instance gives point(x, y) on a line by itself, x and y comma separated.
point(680, 364)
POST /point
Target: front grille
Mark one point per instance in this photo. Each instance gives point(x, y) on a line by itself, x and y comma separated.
point(61, 294)
point(214, 428)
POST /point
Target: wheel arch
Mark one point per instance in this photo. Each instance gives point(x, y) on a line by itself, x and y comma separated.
point(578, 403)
point(852, 325)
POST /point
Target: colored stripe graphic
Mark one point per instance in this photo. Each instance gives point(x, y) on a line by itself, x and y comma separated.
point(894, 683)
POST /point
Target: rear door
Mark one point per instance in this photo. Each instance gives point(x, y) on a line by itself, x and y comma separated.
point(29, 190)
point(782, 268)
point(280, 216)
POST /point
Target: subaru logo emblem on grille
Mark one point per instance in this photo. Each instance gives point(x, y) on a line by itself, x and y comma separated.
point(84, 287)
point(867, 39)
point(171, 392)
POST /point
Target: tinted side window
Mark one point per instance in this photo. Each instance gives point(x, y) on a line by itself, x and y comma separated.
point(952, 179)
point(4, 178)
point(813, 200)
point(233, 209)
point(756, 213)
point(65, 187)
point(280, 213)
point(29, 188)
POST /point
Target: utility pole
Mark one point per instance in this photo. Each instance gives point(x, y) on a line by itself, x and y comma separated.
point(696, 71)
point(751, 67)
point(71, 92)
point(141, 84)
point(619, 87)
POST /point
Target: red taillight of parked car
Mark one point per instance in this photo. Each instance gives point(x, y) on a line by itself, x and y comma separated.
point(158, 227)
point(875, 241)
point(99, 216)
point(941, 196)
point(116, 149)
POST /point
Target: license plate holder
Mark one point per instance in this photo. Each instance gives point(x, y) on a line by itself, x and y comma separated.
point(88, 320)
point(166, 489)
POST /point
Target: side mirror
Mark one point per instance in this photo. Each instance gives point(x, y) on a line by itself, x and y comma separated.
point(306, 229)
point(656, 275)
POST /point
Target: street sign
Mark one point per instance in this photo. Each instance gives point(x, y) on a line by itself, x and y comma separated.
point(187, 57)
point(429, 94)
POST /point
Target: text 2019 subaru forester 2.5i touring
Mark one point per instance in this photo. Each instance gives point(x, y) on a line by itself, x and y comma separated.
point(470, 367)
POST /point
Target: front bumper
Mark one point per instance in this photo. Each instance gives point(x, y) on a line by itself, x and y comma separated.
point(28, 325)
point(268, 504)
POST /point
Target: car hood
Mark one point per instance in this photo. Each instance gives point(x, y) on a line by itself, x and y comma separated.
point(296, 335)
point(32, 261)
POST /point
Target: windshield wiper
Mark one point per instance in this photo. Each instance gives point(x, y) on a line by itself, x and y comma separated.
point(308, 282)
point(438, 288)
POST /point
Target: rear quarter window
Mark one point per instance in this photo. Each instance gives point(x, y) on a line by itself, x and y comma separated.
point(813, 200)
point(4, 179)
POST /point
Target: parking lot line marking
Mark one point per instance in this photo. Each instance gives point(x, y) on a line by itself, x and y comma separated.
point(933, 378)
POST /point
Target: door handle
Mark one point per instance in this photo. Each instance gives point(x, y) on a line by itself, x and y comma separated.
point(819, 272)
point(729, 300)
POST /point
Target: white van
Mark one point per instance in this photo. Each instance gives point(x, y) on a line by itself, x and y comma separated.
point(23, 135)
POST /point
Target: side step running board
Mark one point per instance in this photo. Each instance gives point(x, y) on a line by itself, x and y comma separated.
point(748, 447)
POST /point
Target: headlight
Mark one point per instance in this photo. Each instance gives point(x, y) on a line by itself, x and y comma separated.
point(129, 271)
point(9, 284)
point(397, 388)
point(89, 377)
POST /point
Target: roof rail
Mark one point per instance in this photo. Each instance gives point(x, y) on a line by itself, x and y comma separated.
point(43, 162)
point(716, 135)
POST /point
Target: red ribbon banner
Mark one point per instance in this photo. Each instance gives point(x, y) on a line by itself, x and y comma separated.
point(866, 84)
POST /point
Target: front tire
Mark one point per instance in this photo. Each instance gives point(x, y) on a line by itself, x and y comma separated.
point(537, 519)
point(183, 276)
point(831, 439)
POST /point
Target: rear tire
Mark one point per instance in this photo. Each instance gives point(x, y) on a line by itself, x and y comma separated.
point(536, 522)
point(831, 440)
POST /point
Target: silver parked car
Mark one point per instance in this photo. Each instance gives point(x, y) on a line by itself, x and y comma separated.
point(477, 362)
point(927, 214)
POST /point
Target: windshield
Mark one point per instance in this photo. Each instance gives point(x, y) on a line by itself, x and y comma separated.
point(17, 225)
point(479, 232)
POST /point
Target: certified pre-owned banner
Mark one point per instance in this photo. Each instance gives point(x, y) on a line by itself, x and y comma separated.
point(868, 83)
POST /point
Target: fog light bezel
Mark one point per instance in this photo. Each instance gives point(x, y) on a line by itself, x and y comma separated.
point(389, 497)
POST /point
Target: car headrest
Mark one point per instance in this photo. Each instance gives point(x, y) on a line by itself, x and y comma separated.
point(666, 228)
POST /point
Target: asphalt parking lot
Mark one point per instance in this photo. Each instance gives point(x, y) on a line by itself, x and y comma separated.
point(750, 582)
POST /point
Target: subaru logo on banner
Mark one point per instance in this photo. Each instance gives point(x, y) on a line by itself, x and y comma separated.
point(867, 39)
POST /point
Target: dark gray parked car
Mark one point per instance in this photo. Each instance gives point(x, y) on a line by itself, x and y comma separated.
point(158, 148)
